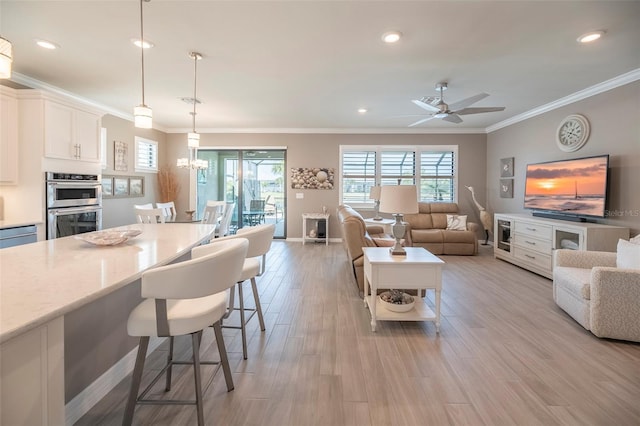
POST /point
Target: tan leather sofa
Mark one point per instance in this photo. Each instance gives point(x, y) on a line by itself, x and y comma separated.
point(356, 235)
point(428, 229)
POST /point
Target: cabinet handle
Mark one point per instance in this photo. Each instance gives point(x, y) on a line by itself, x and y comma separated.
point(530, 242)
point(531, 229)
point(529, 256)
point(79, 151)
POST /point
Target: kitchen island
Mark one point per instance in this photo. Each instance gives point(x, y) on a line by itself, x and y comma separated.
point(56, 292)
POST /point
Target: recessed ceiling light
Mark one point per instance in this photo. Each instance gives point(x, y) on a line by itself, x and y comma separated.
point(362, 110)
point(47, 44)
point(391, 36)
point(146, 44)
point(590, 36)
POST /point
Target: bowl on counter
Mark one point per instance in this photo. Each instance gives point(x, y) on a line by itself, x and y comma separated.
point(108, 238)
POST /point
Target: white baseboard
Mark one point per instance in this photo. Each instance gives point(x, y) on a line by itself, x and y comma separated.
point(92, 394)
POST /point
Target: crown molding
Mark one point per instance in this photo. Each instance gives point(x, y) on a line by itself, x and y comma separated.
point(606, 85)
point(41, 85)
point(354, 131)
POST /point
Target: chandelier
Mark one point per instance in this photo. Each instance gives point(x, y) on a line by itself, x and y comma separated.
point(193, 138)
point(6, 58)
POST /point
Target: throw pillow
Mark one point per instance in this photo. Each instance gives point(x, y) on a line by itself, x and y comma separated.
point(456, 222)
point(628, 255)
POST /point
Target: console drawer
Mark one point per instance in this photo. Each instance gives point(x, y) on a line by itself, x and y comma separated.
point(535, 230)
point(529, 243)
point(533, 257)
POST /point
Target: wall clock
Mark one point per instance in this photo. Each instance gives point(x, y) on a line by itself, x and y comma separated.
point(572, 133)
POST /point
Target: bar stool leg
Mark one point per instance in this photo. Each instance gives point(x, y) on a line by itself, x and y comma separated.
point(195, 338)
point(224, 360)
point(167, 386)
point(136, 378)
point(256, 298)
point(243, 326)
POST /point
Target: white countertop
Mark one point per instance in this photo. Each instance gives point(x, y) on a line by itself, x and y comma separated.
point(44, 280)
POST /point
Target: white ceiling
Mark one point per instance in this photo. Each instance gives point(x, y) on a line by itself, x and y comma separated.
point(312, 64)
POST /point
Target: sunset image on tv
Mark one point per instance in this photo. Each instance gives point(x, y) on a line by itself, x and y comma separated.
point(573, 186)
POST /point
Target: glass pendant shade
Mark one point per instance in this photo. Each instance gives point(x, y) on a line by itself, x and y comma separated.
point(6, 58)
point(193, 140)
point(143, 117)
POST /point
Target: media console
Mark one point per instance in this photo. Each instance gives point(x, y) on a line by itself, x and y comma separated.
point(529, 241)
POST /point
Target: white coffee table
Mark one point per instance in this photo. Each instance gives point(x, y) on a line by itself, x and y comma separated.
point(419, 269)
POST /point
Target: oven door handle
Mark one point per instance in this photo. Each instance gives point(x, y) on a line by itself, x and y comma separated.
point(75, 184)
point(74, 211)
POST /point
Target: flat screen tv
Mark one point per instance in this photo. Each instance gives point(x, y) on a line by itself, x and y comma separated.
point(572, 189)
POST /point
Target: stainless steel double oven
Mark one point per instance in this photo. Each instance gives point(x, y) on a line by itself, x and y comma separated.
point(74, 204)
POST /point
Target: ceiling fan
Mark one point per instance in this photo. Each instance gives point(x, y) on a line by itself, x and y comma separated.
point(451, 113)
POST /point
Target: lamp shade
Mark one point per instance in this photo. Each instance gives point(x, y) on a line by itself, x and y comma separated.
point(6, 58)
point(401, 199)
point(374, 193)
point(143, 117)
point(193, 140)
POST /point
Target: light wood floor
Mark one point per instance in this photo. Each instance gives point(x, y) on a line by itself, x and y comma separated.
point(506, 355)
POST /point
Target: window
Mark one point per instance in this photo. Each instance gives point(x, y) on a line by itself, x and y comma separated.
point(146, 155)
point(431, 168)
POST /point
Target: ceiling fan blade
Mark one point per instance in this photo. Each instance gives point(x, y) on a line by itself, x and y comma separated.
point(478, 110)
point(426, 106)
point(421, 121)
point(452, 118)
point(466, 102)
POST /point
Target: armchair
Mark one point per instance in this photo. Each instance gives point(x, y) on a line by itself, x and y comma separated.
point(596, 293)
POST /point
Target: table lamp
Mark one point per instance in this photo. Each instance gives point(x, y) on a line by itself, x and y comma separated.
point(374, 194)
point(398, 200)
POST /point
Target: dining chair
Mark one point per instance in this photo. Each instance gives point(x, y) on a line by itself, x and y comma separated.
point(259, 238)
point(149, 215)
point(144, 206)
point(184, 299)
point(223, 227)
point(256, 212)
point(210, 215)
point(169, 209)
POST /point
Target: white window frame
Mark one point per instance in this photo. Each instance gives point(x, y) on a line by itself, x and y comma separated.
point(145, 167)
point(417, 149)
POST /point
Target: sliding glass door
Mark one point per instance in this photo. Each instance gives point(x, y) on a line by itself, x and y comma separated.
point(252, 179)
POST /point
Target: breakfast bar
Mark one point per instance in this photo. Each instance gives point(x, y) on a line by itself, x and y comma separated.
point(45, 289)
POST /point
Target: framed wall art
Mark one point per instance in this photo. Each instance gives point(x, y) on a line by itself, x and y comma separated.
point(312, 178)
point(506, 167)
point(136, 186)
point(107, 186)
point(506, 188)
point(120, 186)
point(120, 156)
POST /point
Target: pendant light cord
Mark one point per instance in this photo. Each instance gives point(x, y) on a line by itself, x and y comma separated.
point(195, 80)
point(142, 47)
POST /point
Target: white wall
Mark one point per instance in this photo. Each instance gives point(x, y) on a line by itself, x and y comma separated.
point(614, 117)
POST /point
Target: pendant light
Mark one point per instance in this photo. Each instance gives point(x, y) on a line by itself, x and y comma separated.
point(6, 58)
point(142, 114)
point(193, 137)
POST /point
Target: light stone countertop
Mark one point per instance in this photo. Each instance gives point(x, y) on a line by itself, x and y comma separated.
point(44, 280)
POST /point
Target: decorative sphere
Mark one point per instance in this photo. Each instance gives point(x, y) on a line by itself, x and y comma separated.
point(322, 176)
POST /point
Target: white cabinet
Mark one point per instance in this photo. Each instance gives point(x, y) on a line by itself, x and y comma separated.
point(71, 133)
point(529, 241)
point(8, 136)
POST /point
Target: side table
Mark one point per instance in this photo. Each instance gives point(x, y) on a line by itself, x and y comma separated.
point(315, 218)
point(385, 223)
point(419, 269)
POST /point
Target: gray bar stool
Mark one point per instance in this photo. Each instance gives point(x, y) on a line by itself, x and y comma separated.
point(185, 298)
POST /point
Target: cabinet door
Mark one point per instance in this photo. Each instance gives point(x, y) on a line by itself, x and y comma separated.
point(58, 131)
point(8, 140)
point(87, 135)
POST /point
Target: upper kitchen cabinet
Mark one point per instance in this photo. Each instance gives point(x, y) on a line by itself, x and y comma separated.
point(8, 136)
point(71, 133)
